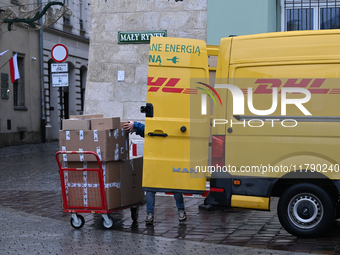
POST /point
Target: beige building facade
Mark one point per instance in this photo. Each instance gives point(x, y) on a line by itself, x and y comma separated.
point(106, 93)
point(73, 33)
point(20, 107)
point(32, 108)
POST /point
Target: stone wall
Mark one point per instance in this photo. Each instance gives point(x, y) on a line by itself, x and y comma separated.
point(104, 94)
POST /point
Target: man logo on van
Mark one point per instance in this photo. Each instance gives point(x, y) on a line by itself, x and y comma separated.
point(184, 170)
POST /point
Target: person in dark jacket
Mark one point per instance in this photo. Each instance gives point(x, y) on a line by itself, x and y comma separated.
point(138, 127)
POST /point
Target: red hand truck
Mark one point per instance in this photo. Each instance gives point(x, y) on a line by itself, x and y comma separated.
point(96, 185)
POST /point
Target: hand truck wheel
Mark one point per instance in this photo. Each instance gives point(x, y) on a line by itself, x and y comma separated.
point(107, 221)
point(134, 212)
point(77, 221)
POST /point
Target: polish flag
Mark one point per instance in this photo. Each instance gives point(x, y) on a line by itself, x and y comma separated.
point(13, 64)
point(2, 53)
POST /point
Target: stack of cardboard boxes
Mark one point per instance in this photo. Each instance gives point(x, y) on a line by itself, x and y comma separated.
point(107, 138)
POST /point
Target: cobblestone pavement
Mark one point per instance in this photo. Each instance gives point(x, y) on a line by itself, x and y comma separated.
point(33, 221)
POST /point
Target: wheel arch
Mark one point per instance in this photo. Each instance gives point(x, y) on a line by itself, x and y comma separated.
point(292, 178)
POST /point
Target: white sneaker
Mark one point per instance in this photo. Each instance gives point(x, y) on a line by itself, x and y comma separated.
point(182, 216)
point(149, 219)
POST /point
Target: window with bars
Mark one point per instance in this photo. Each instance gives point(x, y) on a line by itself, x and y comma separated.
point(310, 14)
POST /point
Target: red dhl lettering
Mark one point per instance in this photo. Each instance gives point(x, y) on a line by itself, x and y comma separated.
point(266, 85)
point(168, 85)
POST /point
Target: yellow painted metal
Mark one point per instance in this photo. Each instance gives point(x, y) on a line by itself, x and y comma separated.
point(170, 160)
point(307, 57)
point(213, 50)
point(251, 202)
point(222, 73)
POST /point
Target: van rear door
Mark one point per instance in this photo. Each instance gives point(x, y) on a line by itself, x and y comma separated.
point(176, 133)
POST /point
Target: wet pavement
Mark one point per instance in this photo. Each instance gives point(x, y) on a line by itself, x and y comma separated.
point(33, 222)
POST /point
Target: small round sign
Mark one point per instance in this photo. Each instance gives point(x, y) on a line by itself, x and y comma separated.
point(59, 53)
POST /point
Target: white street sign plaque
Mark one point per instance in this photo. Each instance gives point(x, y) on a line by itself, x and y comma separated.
point(59, 80)
point(59, 68)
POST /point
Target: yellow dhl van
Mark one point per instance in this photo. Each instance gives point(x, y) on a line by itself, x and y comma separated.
point(275, 124)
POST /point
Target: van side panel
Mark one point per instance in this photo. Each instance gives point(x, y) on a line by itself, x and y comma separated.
point(176, 139)
point(268, 147)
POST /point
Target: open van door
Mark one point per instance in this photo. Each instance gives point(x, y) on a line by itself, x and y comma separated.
point(176, 132)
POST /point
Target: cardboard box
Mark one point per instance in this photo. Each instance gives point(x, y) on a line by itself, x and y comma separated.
point(91, 198)
point(76, 124)
point(110, 145)
point(105, 123)
point(86, 116)
point(131, 181)
point(84, 188)
point(122, 180)
point(111, 171)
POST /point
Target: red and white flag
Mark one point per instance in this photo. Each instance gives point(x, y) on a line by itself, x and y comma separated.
point(2, 53)
point(13, 64)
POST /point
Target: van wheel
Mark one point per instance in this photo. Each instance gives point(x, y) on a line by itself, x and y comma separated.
point(306, 210)
point(337, 212)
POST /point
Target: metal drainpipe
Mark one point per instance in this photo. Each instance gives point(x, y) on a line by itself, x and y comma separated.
point(43, 114)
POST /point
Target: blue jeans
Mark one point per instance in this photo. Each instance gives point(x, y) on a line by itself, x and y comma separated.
point(150, 201)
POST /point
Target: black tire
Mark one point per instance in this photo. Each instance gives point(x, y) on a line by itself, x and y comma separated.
point(108, 225)
point(79, 224)
point(337, 212)
point(306, 210)
point(134, 213)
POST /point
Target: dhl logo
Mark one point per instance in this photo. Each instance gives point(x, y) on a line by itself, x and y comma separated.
point(313, 85)
point(265, 86)
point(169, 86)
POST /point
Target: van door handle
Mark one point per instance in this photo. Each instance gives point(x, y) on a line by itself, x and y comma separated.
point(156, 134)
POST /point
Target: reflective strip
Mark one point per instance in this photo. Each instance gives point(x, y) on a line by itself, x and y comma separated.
point(134, 150)
point(216, 190)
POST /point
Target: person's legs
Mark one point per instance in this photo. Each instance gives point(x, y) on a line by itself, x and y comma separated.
point(150, 207)
point(180, 206)
point(179, 201)
point(150, 202)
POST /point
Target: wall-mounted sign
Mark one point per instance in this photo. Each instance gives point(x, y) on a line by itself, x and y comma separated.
point(59, 53)
point(121, 75)
point(139, 36)
point(59, 80)
point(59, 68)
